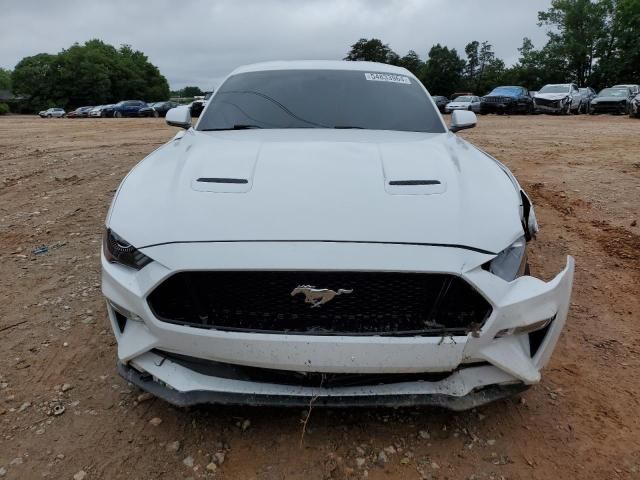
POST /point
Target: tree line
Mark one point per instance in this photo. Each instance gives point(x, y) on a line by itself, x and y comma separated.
point(591, 42)
point(91, 74)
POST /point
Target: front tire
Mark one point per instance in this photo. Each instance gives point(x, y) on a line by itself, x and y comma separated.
point(48, 115)
point(117, 115)
point(156, 114)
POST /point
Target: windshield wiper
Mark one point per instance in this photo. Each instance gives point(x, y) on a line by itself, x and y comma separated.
point(237, 126)
point(346, 127)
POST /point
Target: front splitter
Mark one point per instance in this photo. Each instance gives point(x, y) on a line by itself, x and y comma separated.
point(473, 399)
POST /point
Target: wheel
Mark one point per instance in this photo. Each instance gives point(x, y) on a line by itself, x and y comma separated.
point(48, 115)
point(117, 115)
point(156, 114)
point(530, 110)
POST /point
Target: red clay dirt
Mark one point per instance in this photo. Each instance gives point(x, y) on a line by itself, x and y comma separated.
point(57, 178)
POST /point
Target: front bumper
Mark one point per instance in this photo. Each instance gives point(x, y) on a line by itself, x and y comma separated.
point(549, 108)
point(608, 108)
point(496, 107)
point(479, 367)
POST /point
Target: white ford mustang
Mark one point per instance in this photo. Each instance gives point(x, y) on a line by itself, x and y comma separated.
point(321, 235)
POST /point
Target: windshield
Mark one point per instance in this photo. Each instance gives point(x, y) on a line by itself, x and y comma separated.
point(613, 92)
point(554, 89)
point(506, 91)
point(321, 99)
point(463, 99)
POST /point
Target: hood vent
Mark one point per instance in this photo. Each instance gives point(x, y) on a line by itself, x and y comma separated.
point(223, 180)
point(413, 183)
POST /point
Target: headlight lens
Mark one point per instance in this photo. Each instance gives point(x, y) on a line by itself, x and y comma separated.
point(510, 263)
point(118, 250)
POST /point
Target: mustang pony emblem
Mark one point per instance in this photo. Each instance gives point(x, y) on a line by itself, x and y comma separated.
point(317, 296)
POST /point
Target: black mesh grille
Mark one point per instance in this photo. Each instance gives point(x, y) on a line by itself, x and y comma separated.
point(379, 303)
point(497, 99)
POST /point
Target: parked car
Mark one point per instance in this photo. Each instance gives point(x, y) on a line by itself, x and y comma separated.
point(99, 111)
point(441, 102)
point(80, 112)
point(197, 106)
point(634, 109)
point(635, 89)
point(587, 94)
point(612, 100)
point(126, 108)
point(561, 98)
point(507, 99)
point(52, 112)
point(464, 102)
point(321, 236)
point(157, 109)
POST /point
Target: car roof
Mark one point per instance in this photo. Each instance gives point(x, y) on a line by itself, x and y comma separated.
point(322, 65)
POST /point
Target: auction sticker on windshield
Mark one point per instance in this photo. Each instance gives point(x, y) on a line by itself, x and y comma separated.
point(387, 77)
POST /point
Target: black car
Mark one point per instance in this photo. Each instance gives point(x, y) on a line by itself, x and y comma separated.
point(612, 100)
point(197, 106)
point(126, 108)
point(157, 109)
point(441, 102)
point(507, 99)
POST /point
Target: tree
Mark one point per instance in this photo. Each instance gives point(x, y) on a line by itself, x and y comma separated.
point(34, 77)
point(577, 29)
point(191, 92)
point(442, 72)
point(411, 61)
point(91, 74)
point(473, 62)
point(371, 51)
point(5, 79)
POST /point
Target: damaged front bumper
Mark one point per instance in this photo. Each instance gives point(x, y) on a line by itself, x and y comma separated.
point(460, 372)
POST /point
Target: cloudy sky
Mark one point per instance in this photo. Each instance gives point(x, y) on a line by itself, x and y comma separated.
point(198, 42)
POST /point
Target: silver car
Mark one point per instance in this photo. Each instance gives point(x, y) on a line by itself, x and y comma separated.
point(464, 102)
point(52, 112)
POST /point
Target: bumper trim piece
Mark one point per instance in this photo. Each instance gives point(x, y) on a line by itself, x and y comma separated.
point(473, 399)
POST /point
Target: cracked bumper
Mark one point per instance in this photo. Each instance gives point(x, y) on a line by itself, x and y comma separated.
point(508, 363)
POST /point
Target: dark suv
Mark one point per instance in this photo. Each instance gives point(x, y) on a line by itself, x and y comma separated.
point(508, 99)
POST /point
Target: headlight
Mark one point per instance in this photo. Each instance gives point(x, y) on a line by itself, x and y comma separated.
point(118, 250)
point(510, 263)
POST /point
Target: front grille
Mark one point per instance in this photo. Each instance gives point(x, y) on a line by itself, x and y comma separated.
point(388, 303)
point(497, 99)
point(547, 103)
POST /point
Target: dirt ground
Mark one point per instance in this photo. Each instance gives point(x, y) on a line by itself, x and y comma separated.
point(57, 178)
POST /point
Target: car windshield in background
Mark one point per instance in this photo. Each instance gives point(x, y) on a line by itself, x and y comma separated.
point(613, 92)
point(463, 99)
point(321, 99)
point(554, 89)
point(506, 91)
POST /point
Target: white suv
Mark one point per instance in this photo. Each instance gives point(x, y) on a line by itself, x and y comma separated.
point(52, 112)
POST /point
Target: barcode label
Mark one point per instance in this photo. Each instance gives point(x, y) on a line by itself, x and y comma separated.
point(387, 77)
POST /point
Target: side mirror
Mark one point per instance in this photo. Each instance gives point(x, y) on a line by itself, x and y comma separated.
point(179, 117)
point(462, 119)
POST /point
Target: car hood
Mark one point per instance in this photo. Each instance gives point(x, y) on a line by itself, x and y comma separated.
point(317, 184)
point(551, 96)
